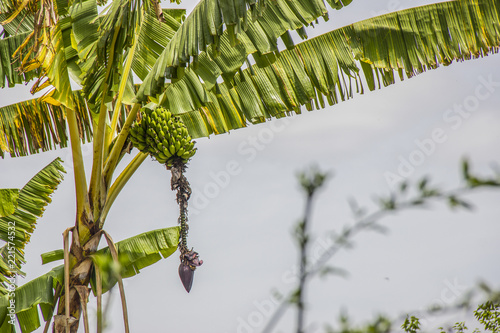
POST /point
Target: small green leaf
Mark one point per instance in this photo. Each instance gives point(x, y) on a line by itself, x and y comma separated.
point(403, 187)
point(422, 185)
point(329, 270)
point(465, 169)
point(411, 324)
point(488, 314)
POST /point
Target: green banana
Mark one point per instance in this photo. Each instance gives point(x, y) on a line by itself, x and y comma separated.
point(140, 131)
point(151, 132)
point(167, 153)
point(172, 149)
point(141, 138)
point(154, 115)
point(162, 156)
point(163, 136)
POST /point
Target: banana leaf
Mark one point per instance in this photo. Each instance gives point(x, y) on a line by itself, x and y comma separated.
point(328, 69)
point(16, 228)
point(134, 254)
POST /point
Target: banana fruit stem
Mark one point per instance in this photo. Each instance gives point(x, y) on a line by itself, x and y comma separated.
point(189, 258)
point(184, 229)
point(180, 184)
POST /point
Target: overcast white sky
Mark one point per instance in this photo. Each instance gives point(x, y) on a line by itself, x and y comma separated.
point(241, 227)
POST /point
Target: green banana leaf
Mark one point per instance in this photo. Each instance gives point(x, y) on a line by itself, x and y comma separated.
point(20, 24)
point(321, 70)
point(36, 293)
point(42, 124)
point(203, 27)
point(32, 126)
point(329, 66)
point(31, 202)
point(134, 254)
point(154, 36)
point(8, 65)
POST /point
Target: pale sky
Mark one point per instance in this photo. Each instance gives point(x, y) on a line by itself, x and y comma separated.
point(241, 224)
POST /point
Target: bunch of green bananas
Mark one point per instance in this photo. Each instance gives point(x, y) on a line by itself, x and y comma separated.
point(163, 136)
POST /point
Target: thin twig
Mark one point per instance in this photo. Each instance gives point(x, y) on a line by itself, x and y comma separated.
point(362, 224)
point(368, 222)
point(303, 242)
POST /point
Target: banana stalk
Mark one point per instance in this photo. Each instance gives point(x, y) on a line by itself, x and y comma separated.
point(167, 140)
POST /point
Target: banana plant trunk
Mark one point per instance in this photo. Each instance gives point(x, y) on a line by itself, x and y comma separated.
point(80, 270)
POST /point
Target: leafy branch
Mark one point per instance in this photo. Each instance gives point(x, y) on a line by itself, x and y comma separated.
point(407, 196)
point(488, 315)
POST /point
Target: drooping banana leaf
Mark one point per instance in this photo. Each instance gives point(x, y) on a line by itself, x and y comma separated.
point(38, 292)
point(71, 27)
point(154, 36)
point(16, 228)
point(338, 4)
point(328, 65)
point(134, 254)
point(103, 59)
point(33, 126)
point(78, 33)
point(48, 56)
point(111, 44)
point(203, 27)
point(404, 43)
point(8, 65)
point(18, 23)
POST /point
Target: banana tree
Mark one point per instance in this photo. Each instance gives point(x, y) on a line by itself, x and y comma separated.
point(215, 70)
